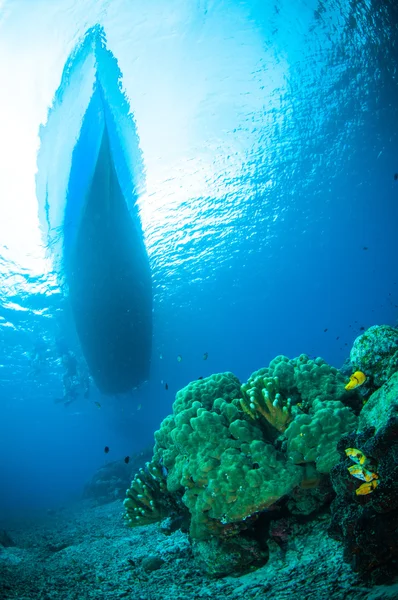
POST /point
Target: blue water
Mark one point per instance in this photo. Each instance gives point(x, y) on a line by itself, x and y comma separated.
point(269, 140)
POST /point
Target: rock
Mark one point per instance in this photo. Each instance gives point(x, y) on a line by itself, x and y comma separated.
point(381, 406)
point(375, 352)
point(366, 524)
point(152, 563)
point(5, 540)
point(236, 555)
point(8, 559)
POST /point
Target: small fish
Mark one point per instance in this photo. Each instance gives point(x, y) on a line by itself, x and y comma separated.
point(395, 176)
point(179, 358)
point(362, 328)
point(365, 248)
point(161, 356)
point(367, 488)
point(201, 377)
point(205, 356)
point(356, 379)
point(362, 473)
point(139, 407)
point(166, 386)
point(127, 460)
point(355, 455)
point(106, 449)
point(325, 330)
point(97, 404)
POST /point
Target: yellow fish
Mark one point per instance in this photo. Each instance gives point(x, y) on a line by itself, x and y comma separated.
point(367, 488)
point(362, 473)
point(356, 379)
point(356, 455)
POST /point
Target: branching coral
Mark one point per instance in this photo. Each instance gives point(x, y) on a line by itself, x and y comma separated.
point(262, 400)
point(147, 499)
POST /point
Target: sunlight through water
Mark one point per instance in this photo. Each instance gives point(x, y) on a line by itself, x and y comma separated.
point(246, 116)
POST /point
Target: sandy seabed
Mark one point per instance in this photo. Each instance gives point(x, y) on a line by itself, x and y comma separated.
point(85, 552)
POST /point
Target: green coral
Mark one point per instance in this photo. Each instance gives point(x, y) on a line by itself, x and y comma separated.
point(375, 353)
point(262, 400)
point(313, 437)
point(302, 380)
point(310, 379)
point(147, 499)
point(226, 469)
point(205, 391)
point(219, 447)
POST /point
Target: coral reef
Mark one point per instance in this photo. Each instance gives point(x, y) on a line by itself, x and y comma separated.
point(367, 524)
point(375, 352)
point(304, 380)
point(313, 437)
point(262, 400)
point(314, 492)
point(238, 466)
point(224, 466)
point(230, 453)
point(148, 500)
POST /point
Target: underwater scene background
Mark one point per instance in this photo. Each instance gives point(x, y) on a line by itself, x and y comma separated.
point(263, 147)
